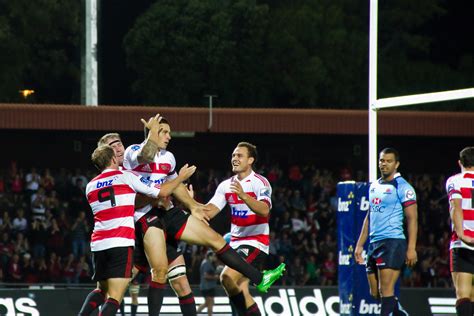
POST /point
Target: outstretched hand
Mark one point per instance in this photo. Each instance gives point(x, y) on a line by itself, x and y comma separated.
point(186, 172)
point(153, 122)
point(200, 211)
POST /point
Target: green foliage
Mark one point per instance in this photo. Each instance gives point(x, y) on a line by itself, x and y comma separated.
point(182, 50)
point(39, 49)
point(284, 53)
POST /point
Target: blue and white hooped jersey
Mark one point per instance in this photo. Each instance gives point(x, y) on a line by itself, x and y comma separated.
point(387, 201)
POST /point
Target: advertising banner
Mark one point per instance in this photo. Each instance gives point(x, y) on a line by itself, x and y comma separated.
point(301, 301)
point(353, 205)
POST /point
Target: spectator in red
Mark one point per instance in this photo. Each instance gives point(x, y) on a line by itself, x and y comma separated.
point(14, 269)
point(55, 238)
point(329, 270)
point(295, 176)
point(83, 272)
point(274, 174)
point(55, 268)
point(47, 181)
point(42, 269)
point(17, 188)
point(63, 222)
point(69, 270)
point(6, 248)
point(30, 272)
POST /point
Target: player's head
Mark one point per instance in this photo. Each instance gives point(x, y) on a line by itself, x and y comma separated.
point(389, 160)
point(164, 133)
point(103, 157)
point(244, 157)
point(114, 141)
point(466, 157)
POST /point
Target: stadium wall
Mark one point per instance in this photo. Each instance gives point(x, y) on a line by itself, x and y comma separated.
point(235, 120)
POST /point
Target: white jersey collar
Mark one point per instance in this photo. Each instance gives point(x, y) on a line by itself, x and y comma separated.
point(244, 179)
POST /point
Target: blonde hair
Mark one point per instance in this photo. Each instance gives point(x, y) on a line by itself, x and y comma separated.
point(102, 157)
point(104, 140)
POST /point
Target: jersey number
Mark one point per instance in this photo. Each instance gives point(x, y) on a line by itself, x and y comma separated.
point(107, 194)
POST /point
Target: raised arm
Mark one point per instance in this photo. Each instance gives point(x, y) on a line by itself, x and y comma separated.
point(149, 150)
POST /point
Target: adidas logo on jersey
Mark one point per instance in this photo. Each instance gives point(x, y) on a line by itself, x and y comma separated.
point(146, 168)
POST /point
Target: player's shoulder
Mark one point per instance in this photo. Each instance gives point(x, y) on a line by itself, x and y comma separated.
point(166, 154)
point(133, 148)
point(130, 173)
point(260, 179)
point(401, 181)
point(454, 178)
point(227, 181)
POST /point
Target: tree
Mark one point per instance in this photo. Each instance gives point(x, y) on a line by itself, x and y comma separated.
point(39, 49)
point(181, 50)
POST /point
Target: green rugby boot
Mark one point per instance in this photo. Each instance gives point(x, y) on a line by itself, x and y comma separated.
point(269, 277)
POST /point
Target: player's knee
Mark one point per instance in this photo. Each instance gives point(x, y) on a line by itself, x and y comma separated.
point(176, 272)
point(226, 280)
point(178, 280)
point(159, 274)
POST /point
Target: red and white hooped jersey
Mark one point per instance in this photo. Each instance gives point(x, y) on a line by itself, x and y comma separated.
point(162, 169)
point(111, 196)
point(247, 228)
point(461, 186)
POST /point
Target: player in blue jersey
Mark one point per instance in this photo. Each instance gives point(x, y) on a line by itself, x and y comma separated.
point(391, 199)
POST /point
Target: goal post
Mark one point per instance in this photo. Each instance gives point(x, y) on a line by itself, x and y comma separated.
point(378, 104)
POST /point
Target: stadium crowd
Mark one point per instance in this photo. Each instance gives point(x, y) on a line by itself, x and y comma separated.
point(45, 223)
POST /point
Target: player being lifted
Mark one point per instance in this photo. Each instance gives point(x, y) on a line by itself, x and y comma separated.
point(151, 160)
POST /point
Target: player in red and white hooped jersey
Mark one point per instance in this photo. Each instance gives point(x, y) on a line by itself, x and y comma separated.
point(161, 170)
point(249, 196)
point(111, 196)
point(247, 226)
point(460, 189)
